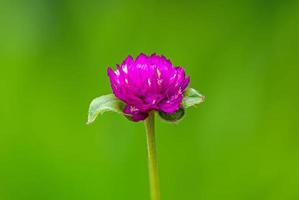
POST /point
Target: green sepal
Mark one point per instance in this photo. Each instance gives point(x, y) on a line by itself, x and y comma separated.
point(172, 117)
point(192, 97)
point(103, 104)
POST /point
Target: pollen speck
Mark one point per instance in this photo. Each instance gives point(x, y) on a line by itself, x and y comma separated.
point(125, 68)
point(149, 82)
point(159, 82)
point(158, 72)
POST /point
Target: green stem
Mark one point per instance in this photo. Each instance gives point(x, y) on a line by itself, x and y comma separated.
point(152, 156)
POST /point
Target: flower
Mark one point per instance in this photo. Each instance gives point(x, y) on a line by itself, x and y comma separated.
point(148, 83)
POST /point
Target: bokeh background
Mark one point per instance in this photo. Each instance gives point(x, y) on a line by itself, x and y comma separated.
point(242, 143)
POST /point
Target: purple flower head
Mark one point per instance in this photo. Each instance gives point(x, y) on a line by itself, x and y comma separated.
point(148, 83)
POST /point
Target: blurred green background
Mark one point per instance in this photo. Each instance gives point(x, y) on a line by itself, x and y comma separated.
point(242, 143)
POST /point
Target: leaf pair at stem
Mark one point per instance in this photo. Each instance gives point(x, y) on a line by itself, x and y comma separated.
point(109, 102)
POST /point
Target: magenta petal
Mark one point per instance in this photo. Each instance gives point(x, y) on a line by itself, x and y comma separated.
point(129, 60)
point(180, 76)
point(114, 82)
point(141, 58)
point(169, 107)
point(134, 114)
point(172, 104)
point(185, 83)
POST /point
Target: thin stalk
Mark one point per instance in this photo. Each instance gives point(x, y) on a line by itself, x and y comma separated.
point(152, 156)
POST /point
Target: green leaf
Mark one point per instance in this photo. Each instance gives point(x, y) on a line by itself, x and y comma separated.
point(103, 104)
point(192, 97)
point(172, 117)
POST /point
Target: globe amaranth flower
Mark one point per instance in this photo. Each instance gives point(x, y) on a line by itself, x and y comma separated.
point(148, 83)
point(141, 86)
